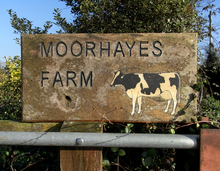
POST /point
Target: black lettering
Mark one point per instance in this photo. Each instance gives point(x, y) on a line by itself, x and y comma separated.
point(90, 48)
point(160, 51)
point(130, 47)
point(57, 80)
point(65, 51)
point(70, 78)
point(101, 49)
point(43, 78)
point(118, 50)
point(49, 49)
point(83, 79)
point(143, 48)
point(79, 53)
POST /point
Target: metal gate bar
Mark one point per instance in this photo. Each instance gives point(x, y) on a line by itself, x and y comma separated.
point(99, 139)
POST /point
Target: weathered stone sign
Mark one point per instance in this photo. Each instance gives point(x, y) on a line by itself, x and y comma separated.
point(109, 77)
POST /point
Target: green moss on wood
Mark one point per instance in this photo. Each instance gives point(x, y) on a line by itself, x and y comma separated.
point(69, 126)
point(8, 125)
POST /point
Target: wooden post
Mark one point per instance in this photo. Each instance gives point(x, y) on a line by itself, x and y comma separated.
point(209, 149)
point(8, 125)
point(81, 159)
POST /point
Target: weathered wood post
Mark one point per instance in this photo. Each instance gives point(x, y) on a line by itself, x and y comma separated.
point(81, 159)
point(209, 149)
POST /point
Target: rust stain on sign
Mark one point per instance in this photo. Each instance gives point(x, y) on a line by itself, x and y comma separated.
point(109, 77)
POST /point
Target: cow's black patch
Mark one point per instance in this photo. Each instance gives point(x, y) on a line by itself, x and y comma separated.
point(174, 81)
point(153, 81)
point(130, 81)
point(118, 79)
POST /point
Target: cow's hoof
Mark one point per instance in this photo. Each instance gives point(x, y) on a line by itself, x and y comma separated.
point(132, 113)
point(140, 113)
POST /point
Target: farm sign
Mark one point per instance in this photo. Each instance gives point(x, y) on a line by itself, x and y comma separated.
point(109, 77)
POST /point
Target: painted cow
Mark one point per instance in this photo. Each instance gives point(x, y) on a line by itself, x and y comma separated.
point(138, 85)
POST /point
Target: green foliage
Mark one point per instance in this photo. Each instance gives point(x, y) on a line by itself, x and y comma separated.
point(151, 158)
point(209, 89)
point(119, 16)
point(128, 127)
point(25, 26)
point(212, 58)
point(114, 149)
point(106, 164)
point(28, 158)
point(62, 22)
point(139, 158)
point(134, 16)
point(2, 71)
point(10, 90)
point(119, 152)
point(211, 108)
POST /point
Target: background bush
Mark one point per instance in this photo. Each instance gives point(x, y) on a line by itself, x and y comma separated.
point(18, 158)
point(10, 90)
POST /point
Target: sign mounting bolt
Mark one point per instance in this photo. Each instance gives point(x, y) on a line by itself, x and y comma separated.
point(79, 141)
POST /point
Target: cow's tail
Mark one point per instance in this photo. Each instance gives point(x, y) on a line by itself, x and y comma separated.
point(179, 90)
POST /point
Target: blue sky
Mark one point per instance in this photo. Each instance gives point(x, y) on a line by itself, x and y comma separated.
point(39, 12)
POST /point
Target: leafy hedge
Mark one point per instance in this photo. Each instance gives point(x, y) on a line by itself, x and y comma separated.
point(10, 90)
point(20, 158)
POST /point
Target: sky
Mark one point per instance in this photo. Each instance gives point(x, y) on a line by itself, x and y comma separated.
point(39, 12)
point(215, 24)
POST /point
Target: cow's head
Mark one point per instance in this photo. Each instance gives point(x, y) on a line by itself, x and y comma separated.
point(117, 79)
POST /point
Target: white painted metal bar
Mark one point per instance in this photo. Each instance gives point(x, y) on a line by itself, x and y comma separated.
point(77, 139)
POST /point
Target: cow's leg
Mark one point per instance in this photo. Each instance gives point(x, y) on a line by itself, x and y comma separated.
point(167, 96)
point(174, 105)
point(139, 104)
point(134, 98)
point(133, 104)
point(167, 107)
